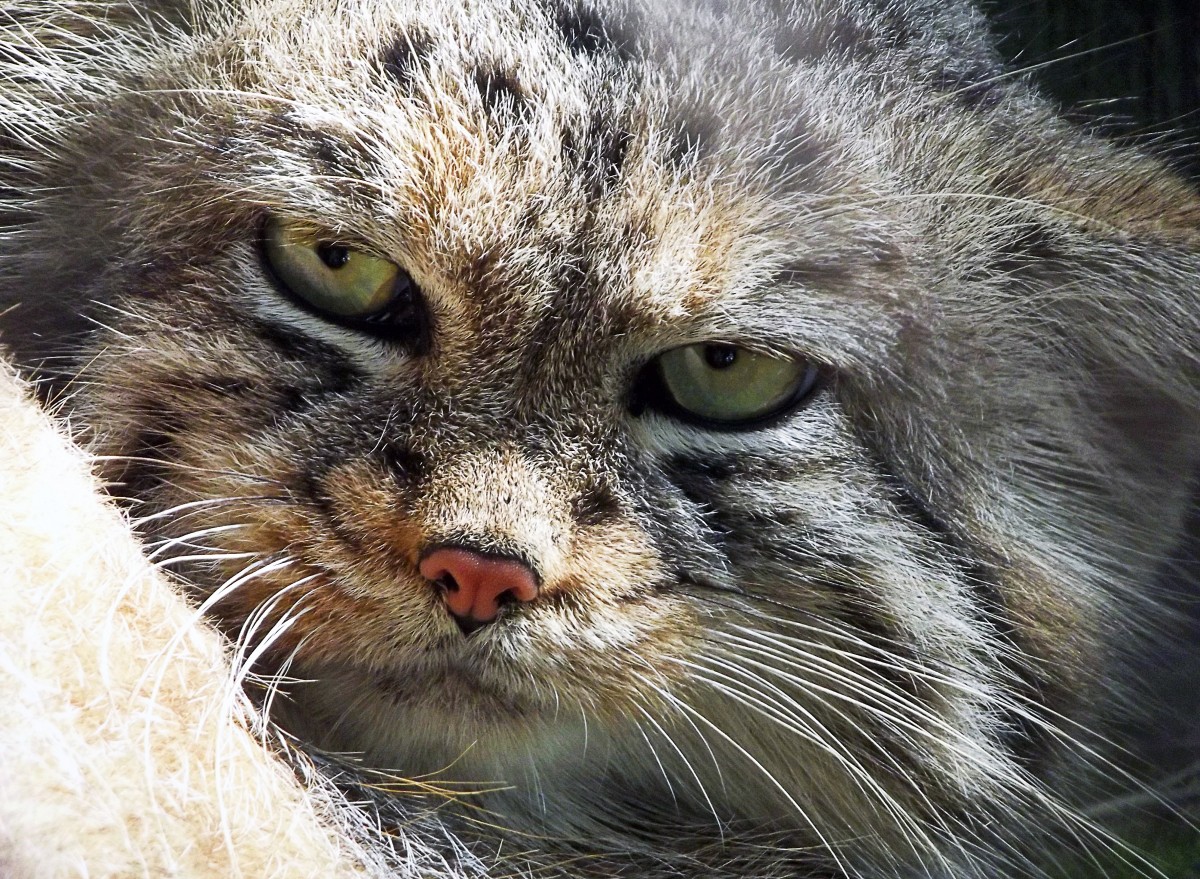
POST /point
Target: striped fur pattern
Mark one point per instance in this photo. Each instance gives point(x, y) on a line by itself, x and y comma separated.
point(873, 636)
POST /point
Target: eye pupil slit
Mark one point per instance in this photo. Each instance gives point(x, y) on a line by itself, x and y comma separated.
point(333, 255)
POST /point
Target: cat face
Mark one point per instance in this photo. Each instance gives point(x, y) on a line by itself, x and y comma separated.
point(631, 406)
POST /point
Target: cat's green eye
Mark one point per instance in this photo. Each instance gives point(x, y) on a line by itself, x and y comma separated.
point(333, 278)
point(730, 386)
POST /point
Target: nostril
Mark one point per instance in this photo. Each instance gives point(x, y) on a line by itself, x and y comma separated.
point(446, 582)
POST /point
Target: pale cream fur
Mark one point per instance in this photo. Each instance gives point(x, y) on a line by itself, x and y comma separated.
point(124, 748)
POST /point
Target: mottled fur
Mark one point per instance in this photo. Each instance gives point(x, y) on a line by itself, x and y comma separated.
point(872, 637)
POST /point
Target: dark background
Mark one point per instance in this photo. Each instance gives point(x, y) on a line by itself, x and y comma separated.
point(1131, 67)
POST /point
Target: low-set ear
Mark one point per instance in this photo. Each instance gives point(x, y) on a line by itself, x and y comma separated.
point(1114, 276)
point(1117, 261)
point(1105, 252)
point(1070, 350)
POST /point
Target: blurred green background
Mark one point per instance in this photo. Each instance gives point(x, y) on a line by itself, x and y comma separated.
point(1132, 66)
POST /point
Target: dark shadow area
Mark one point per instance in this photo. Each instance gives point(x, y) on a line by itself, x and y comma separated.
point(1130, 67)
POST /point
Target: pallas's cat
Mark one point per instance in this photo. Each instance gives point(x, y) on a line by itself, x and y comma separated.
point(725, 439)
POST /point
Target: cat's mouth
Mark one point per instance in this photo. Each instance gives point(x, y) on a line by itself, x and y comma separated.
point(456, 688)
point(419, 718)
point(449, 684)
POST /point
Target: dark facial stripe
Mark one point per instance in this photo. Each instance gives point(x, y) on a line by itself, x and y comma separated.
point(584, 32)
point(813, 557)
point(843, 579)
point(709, 473)
point(146, 470)
point(595, 505)
point(1025, 738)
point(598, 153)
point(311, 487)
point(405, 59)
point(296, 346)
point(406, 466)
point(501, 93)
point(812, 553)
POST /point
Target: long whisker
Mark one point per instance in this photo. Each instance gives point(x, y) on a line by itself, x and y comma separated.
point(687, 709)
point(780, 708)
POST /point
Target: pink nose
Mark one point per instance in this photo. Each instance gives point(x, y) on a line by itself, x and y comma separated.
point(474, 585)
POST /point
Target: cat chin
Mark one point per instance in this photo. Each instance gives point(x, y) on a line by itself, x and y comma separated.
point(442, 724)
point(545, 771)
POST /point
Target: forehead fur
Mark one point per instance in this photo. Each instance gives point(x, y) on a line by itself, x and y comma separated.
point(633, 168)
point(816, 176)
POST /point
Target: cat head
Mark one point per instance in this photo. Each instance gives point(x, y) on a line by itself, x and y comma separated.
point(769, 412)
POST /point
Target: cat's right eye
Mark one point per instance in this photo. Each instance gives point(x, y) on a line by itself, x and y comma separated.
point(342, 283)
point(724, 386)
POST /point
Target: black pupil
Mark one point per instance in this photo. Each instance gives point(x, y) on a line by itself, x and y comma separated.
point(333, 255)
point(720, 356)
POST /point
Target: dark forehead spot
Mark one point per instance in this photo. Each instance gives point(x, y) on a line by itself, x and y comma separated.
point(335, 156)
point(586, 33)
point(597, 152)
point(690, 138)
point(329, 153)
point(834, 33)
point(902, 26)
point(800, 155)
point(1026, 246)
point(864, 256)
point(576, 268)
point(406, 58)
point(500, 91)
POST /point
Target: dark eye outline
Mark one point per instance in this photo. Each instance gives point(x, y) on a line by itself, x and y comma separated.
point(404, 320)
point(650, 392)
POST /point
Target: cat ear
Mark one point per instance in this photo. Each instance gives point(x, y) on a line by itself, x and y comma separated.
point(1109, 241)
point(1148, 310)
point(1114, 271)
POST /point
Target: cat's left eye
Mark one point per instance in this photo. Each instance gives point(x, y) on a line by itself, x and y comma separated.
point(339, 281)
point(728, 386)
